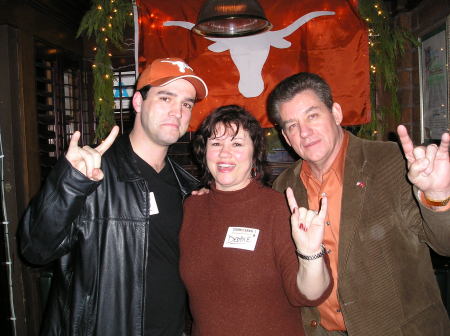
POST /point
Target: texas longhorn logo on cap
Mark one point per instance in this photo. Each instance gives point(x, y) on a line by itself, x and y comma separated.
point(181, 65)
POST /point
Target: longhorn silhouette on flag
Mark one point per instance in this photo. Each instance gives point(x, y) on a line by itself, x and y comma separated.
point(322, 36)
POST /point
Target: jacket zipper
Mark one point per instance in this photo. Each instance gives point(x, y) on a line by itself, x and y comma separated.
point(144, 275)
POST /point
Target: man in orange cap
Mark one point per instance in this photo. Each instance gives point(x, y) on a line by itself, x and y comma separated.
point(110, 217)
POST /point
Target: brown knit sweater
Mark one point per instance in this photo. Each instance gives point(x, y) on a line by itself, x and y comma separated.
point(235, 291)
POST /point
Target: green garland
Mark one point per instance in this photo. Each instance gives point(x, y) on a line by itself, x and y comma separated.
point(106, 21)
point(386, 44)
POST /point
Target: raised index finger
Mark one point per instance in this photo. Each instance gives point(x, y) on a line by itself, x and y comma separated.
point(445, 143)
point(291, 199)
point(74, 140)
point(406, 142)
point(103, 147)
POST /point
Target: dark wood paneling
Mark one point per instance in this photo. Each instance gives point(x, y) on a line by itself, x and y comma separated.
point(21, 24)
point(16, 177)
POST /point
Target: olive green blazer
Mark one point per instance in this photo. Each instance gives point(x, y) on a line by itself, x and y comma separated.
point(386, 283)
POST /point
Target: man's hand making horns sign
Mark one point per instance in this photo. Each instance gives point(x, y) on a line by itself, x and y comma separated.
point(87, 159)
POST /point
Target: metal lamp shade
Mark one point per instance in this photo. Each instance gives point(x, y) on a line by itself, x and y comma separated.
point(231, 18)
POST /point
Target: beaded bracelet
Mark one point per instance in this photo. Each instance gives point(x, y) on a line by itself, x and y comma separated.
point(314, 256)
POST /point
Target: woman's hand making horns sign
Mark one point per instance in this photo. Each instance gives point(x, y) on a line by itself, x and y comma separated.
point(307, 225)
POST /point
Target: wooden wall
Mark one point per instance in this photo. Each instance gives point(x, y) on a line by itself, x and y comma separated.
point(21, 24)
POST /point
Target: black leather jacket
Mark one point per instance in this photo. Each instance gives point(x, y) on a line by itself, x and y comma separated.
point(97, 233)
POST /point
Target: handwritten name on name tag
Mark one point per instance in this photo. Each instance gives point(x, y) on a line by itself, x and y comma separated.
point(241, 238)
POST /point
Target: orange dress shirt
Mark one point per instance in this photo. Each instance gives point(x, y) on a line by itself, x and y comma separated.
point(331, 184)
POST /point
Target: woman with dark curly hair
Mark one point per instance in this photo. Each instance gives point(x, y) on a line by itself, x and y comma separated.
point(238, 260)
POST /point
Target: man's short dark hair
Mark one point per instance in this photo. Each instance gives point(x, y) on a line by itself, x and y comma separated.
point(293, 85)
point(144, 91)
point(230, 115)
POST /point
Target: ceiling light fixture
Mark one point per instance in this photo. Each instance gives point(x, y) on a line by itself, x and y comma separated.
point(231, 18)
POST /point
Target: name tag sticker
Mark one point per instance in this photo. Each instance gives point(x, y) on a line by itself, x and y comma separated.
point(241, 238)
point(153, 206)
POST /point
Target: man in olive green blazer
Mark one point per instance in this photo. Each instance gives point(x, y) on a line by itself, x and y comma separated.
point(391, 212)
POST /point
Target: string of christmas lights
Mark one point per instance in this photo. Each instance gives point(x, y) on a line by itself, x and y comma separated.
point(386, 43)
point(106, 21)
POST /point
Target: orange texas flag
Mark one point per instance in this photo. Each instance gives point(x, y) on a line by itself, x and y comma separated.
point(326, 37)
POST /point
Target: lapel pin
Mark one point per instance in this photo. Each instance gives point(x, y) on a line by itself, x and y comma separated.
point(360, 184)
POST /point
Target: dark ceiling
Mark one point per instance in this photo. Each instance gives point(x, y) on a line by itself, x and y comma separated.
point(401, 5)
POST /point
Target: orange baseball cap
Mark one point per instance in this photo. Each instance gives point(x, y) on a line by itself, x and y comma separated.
point(163, 71)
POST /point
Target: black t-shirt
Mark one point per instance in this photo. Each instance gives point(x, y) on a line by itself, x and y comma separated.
point(165, 295)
